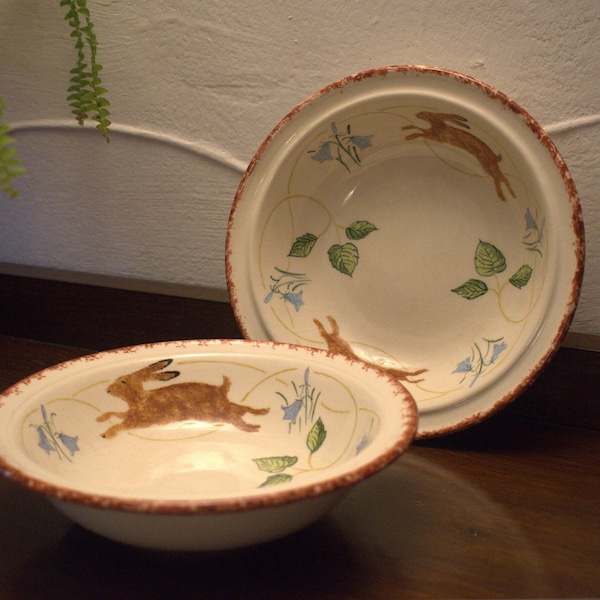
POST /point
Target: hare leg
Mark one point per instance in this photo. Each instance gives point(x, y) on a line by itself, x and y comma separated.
point(107, 415)
point(241, 424)
point(112, 431)
point(256, 411)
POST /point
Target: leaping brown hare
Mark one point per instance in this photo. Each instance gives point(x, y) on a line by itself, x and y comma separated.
point(450, 129)
point(336, 344)
point(176, 402)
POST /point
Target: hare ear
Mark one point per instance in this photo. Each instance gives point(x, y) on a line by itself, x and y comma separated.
point(161, 364)
point(460, 121)
point(165, 375)
point(335, 328)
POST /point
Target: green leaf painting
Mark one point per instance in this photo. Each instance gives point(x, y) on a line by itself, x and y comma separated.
point(359, 230)
point(344, 258)
point(471, 289)
point(521, 277)
point(298, 412)
point(489, 260)
point(303, 245)
point(316, 436)
point(275, 464)
point(276, 479)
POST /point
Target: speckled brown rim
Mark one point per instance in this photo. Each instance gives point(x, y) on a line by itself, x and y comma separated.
point(545, 140)
point(271, 497)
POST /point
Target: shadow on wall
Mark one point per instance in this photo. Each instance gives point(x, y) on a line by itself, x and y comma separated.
point(146, 206)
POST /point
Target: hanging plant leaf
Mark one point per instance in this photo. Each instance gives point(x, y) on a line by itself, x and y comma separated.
point(359, 230)
point(521, 277)
point(86, 92)
point(344, 258)
point(471, 289)
point(489, 260)
point(275, 464)
point(10, 165)
point(303, 245)
point(316, 436)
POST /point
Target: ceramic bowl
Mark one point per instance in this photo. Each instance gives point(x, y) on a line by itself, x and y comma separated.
point(202, 445)
point(421, 220)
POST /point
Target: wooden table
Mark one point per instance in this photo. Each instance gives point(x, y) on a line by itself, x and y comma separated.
point(508, 508)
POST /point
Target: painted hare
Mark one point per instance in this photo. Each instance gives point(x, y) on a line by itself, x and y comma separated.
point(338, 345)
point(450, 129)
point(176, 402)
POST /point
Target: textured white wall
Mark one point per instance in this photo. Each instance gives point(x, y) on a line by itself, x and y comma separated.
point(195, 86)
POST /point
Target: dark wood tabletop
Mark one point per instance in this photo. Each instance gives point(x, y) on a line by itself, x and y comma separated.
point(509, 508)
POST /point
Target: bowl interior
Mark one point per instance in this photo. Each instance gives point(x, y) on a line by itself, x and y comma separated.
point(203, 422)
point(420, 221)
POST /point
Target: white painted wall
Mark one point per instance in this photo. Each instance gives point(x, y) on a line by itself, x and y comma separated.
point(195, 86)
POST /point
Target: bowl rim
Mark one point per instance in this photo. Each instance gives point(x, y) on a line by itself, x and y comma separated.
point(576, 224)
point(270, 498)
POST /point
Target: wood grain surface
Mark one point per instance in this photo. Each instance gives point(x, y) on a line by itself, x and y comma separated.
point(508, 508)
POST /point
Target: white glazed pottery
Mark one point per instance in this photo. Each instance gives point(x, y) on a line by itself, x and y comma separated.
point(202, 445)
point(420, 220)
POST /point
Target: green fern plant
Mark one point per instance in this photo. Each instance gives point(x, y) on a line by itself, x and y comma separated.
point(86, 94)
point(10, 165)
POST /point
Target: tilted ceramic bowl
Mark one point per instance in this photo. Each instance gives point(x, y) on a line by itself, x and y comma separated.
point(205, 444)
point(421, 220)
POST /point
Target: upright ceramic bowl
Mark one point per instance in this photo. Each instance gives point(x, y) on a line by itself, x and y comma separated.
point(421, 220)
point(202, 445)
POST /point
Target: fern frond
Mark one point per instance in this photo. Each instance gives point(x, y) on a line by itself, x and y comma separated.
point(10, 165)
point(86, 95)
